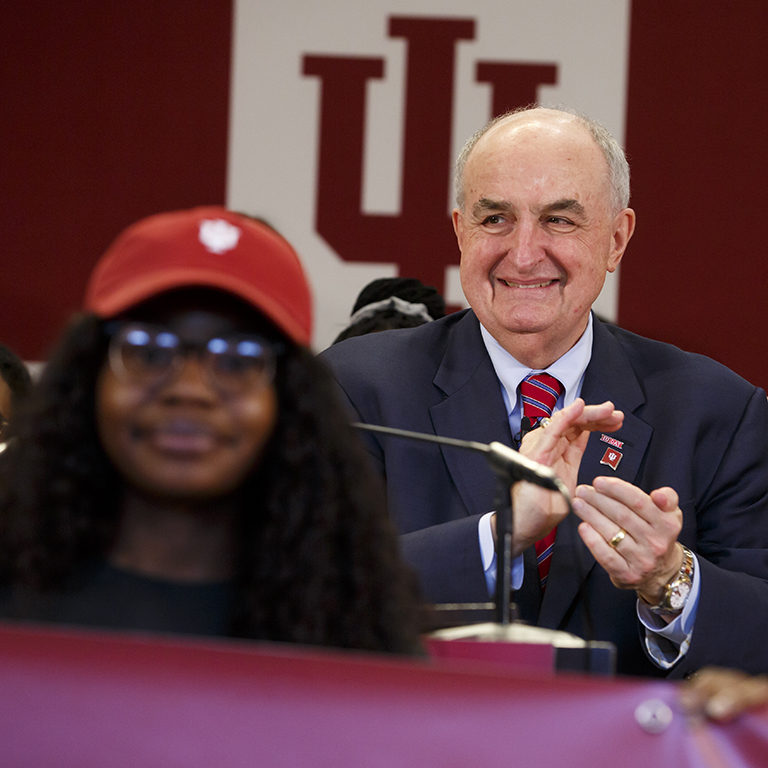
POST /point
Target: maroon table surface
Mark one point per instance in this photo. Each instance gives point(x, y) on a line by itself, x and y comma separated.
point(84, 698)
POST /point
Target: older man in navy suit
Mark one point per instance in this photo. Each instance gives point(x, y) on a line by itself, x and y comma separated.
point(665, 452)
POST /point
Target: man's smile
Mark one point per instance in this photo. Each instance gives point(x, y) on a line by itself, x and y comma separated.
point(511, 284)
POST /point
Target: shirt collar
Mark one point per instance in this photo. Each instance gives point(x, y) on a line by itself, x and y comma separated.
point(569, 369)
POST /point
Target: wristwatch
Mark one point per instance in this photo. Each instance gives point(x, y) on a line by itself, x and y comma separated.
point(677, 590)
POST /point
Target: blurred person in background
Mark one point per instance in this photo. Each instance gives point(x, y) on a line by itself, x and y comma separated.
point(393, 302)
point(15, 384)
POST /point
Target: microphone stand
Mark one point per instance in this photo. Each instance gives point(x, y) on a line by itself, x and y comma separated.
point(569, 651)
point(510, 467)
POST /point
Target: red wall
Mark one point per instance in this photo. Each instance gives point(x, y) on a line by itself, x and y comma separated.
point(110, 111)
point(696, 271)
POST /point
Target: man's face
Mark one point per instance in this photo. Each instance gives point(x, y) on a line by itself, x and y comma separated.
point(537, 233)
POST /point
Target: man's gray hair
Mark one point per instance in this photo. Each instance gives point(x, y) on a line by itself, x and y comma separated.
point(618, 167)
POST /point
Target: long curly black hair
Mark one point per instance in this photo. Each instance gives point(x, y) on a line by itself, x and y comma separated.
point(318, 562)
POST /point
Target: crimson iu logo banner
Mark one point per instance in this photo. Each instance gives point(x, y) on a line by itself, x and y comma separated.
point(420, 239)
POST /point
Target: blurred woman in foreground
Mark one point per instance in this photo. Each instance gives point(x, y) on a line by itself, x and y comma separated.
point(183, 465)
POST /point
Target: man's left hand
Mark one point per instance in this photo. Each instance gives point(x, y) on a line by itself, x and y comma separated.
point(648, 556)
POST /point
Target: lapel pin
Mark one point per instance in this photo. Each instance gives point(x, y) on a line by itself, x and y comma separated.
point(613, 454)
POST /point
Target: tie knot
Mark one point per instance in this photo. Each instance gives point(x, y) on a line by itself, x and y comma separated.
point(539, 392)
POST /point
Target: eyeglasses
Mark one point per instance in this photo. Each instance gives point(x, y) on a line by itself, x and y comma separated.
point(150, 355)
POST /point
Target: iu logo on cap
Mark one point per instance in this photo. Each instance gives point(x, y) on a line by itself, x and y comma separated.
point(218, 235)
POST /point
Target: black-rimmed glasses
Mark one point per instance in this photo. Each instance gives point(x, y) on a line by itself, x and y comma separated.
point(148, 355)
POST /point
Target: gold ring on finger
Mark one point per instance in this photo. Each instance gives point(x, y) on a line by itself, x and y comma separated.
point(545, 422)
point(618, 538)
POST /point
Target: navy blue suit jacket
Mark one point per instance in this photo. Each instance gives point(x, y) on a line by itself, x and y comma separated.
point(689, 423)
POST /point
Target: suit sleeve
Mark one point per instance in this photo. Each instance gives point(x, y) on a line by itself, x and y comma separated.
point(448, 561)
point(446, 555)
point(732, 544)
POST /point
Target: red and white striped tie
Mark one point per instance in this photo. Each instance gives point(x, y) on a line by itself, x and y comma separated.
point(539, 392)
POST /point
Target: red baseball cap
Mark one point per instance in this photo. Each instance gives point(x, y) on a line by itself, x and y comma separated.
point(209, 247)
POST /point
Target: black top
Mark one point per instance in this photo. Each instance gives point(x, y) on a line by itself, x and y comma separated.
point(105, 596)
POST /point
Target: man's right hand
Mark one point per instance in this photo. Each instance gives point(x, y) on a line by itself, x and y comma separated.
point(560, 445)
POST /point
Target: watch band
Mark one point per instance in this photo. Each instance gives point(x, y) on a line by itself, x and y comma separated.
point(678, 589)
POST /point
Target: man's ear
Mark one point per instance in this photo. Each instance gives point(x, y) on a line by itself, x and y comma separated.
point(458, 224)
point(623, 229)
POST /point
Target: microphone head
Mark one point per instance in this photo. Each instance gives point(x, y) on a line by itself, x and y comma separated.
point(519, 467)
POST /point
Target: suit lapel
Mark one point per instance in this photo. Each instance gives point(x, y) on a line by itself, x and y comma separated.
point(473, 409)
point(609, 376)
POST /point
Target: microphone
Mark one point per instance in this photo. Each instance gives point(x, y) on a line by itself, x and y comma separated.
point(505, 462)
point(509, 466)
